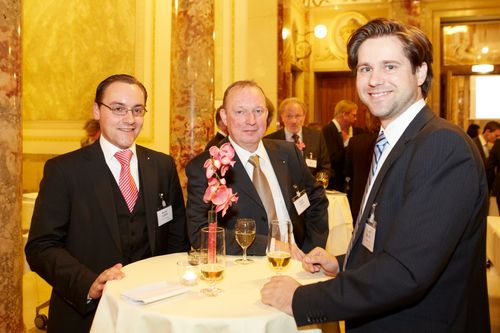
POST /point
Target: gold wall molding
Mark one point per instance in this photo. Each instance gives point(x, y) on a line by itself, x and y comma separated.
point(68, 48)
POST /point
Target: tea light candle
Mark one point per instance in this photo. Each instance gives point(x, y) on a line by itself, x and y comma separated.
point(189, 276)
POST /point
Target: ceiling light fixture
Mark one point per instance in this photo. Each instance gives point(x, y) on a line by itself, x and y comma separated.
point(483, 68)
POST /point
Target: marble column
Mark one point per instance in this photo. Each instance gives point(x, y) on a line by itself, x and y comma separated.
point(192, 80)
point(11, 268)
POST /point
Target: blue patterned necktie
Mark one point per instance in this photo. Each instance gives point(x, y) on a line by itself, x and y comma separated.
point(377, 153)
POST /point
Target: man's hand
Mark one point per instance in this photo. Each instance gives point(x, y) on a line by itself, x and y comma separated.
point(113, 273)
point(279, 292)
point(297, 253)
point(319, 259)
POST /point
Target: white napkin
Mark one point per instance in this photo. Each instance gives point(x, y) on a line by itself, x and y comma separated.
point(154, 292)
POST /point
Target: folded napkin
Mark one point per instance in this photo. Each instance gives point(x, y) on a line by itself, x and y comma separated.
point(154, 292)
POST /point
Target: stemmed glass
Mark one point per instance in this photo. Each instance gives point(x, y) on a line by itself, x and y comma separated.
point(322, 178)
point(212, 258)
point(279, 245)
point(245, 235)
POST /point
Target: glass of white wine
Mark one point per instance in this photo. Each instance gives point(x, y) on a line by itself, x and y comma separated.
point(212, 258)
point(245, 235)
point(322, 178)
point(279, 245)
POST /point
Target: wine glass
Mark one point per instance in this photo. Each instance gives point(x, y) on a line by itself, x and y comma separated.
point(322, 178)
point(245, 235)
point(279, 245)
point(212, 258)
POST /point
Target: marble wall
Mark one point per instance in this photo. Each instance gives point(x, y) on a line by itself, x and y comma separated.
point(11, 268)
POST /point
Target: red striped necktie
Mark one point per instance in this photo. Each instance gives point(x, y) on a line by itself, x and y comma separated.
point(126, 182)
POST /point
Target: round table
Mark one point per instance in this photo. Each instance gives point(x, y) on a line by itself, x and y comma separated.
point(238, 309)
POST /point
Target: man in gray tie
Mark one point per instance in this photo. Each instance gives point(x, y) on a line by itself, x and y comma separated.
point(417, 260)
point(266, 176)
point(97, 208)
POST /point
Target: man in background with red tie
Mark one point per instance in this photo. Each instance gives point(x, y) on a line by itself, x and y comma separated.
point(310, 141)
point(104, 206)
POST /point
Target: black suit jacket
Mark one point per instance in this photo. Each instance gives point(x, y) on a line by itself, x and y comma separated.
point(310, 229)
point(358, 160)
point(477, 142)
point(315, 146)
point(427, 270)
point(74, 233)
point(493, 169)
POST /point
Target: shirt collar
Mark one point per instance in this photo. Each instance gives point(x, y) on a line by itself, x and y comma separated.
point(288, 135)
point(397, 127)
point(110, 149)
point(244, 154)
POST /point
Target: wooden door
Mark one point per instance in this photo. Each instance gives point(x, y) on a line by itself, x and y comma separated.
point(332, 87)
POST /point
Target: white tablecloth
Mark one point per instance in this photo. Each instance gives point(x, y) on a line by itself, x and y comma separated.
point(493, 240)
point(339, 223)
point(238, 309)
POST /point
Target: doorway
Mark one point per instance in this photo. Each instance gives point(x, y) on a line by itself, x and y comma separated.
point(332, 87)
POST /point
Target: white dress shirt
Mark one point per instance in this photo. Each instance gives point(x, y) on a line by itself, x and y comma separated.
point(114, 165)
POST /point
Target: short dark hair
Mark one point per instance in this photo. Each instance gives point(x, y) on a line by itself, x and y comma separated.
point(125, 78)
point(417, 47)
point(491, 126)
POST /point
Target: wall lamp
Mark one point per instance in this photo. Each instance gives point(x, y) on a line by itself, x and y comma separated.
point(303, 48)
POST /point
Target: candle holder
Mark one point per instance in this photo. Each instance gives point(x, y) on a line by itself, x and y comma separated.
point(188, 274)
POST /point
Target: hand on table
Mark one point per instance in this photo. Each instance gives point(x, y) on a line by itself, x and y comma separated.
point(278, 293)
point(297, 253)
point(113, 273)
point(319, 259)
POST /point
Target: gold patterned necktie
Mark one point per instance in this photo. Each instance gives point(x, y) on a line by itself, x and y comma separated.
point(262, 186)
point(126, 182)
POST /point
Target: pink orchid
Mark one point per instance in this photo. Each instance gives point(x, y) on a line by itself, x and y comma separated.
point(221, 159)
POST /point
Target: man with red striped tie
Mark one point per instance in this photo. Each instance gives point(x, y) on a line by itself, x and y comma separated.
point(104, 206)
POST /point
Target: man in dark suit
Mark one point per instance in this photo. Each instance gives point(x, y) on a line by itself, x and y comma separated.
point(485, 141)
point(84, 229)
point(493, 171)
point(337, 134)
point(244, 112)
point(311, 142)
point(221, 133)
point(416, 262)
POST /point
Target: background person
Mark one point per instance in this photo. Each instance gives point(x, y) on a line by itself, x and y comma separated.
point(92, 131)
point(417, 258)
point(83, 228)
point(337, 134)
point(292, 112)
point(245, 113)
point(485, 141)
point(221, 133)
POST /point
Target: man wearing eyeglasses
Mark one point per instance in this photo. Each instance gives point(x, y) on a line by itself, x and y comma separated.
point(104, 206)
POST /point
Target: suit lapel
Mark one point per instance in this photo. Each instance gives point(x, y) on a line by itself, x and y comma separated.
point(424, 116)
point(279, 162)
point(149, 187)
point(98, 173)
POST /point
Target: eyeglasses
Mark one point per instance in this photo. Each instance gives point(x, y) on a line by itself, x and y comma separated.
point(120, 110)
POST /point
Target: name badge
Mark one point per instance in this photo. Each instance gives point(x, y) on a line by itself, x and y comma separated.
point(370, 231)
point(165, 215)
point(311, 163)
point(301, 201)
